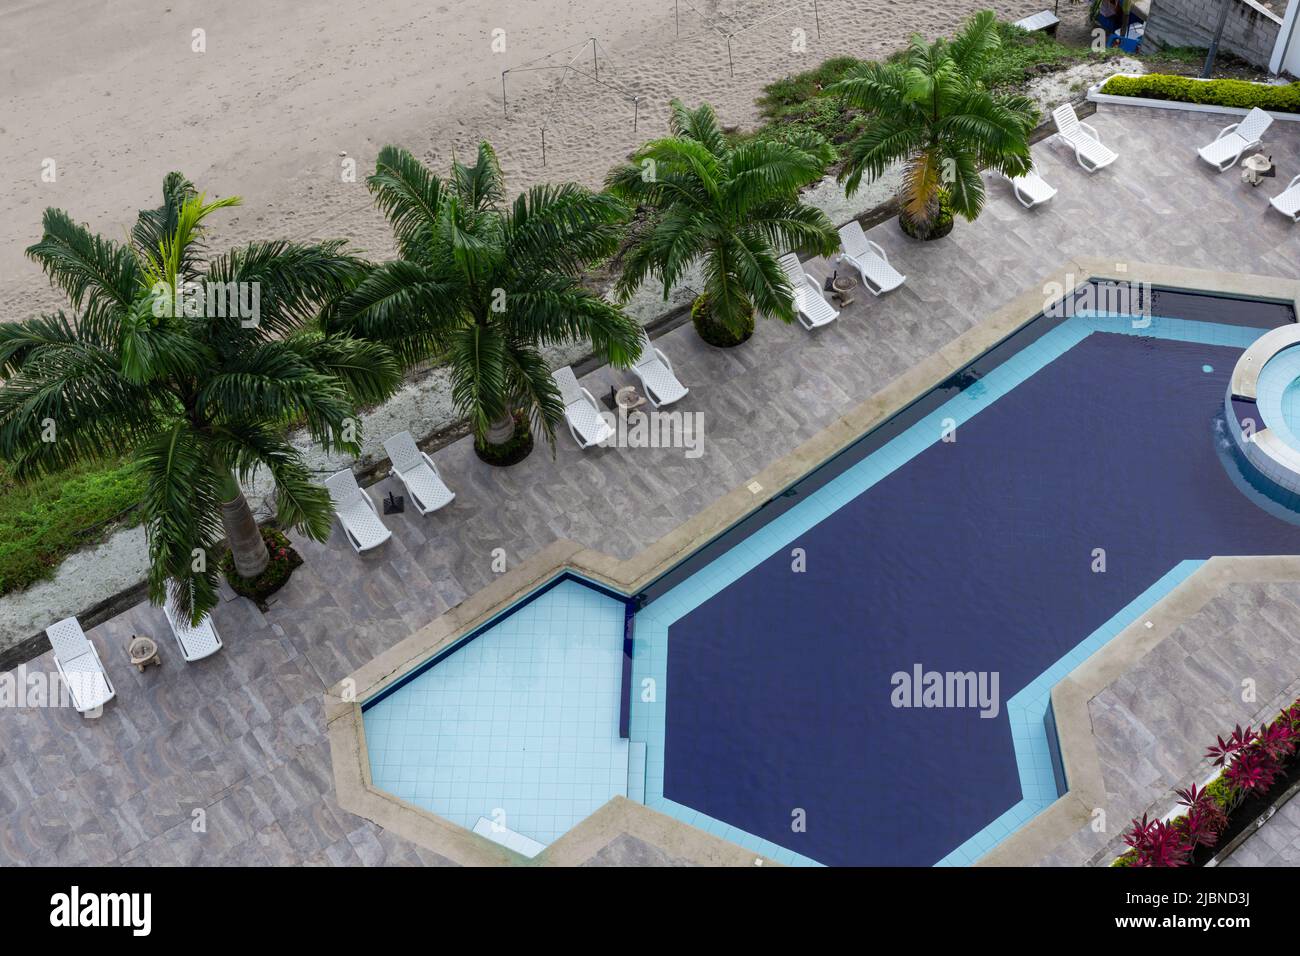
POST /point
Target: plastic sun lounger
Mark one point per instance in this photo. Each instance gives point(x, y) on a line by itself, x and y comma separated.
point(1226, 149)
point(197, 642)
point(356, 512)
point(1287, 202)
point(1085, 141)
point(79, 666)
point(656, 374)
point(869, 259)
point(580, 410)
point(1031, 189)
point(419, 474)
point(809, 303)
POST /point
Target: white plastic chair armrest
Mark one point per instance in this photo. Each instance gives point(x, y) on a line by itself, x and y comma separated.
point(812, 283)
point(1091, 132)
point(877, 250)
point(1293, 183)
point(590, 400)
point(1225, 131)
point(366, 495)
point(429, 461)
point(664, 358)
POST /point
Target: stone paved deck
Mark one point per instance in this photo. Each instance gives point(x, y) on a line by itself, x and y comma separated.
point(1277, 843)
point(240, 736)
point(1153, 723)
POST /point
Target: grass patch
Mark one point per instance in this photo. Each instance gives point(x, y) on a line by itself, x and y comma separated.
point(44, 520)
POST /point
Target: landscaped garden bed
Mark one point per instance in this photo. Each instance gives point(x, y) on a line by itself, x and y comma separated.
point(1260, 767)
point(284, 559)
point(1164, 91)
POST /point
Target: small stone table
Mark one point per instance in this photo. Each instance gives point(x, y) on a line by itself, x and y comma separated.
point(625, 399)
point(143, 652)
point(841, 289)
point(1255, 168)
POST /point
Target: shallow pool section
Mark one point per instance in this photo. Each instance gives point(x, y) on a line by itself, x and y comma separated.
point(516, 732)
point(1278, 395)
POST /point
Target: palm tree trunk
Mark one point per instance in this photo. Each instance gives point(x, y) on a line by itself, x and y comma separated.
point(501, 430)
point(245, 539)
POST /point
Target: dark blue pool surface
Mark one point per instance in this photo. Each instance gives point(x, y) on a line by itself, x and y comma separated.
point(975, 555)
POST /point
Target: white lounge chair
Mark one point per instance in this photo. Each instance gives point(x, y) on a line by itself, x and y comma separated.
point(356, 512)
point(1287, 202)
point(580, 410)
point(1031, 189)
point(869, 259)
point(197, 642)
point(656, 374)
point(1234, 140)
point(419, 474)
point(1088, 149)
point(810, 305)
point(79, 665)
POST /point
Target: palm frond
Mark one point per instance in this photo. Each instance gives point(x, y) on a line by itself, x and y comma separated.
point(97, 275)
point(562, 227)
point(480, 187)
point(410, 195)
point(181, 504)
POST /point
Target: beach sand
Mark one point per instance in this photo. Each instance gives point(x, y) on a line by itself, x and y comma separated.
point(115, 95)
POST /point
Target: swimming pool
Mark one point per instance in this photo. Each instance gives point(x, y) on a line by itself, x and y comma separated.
point(1005, 525)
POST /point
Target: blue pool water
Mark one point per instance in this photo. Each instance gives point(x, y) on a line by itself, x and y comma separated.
point(758, 705)
point(1278, 395)
point(518, 726)
point(773, 686)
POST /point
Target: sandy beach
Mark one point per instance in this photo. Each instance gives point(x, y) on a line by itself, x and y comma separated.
point(282, 91)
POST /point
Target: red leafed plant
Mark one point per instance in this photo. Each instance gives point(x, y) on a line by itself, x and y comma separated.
point(1204, 820)
point(1226, 748)
point(1156, 843)
point(1252, 761)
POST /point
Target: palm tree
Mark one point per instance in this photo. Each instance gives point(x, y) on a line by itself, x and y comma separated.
point(484, 285)
point(931, 111)
point(734, 208)
point(195, 365)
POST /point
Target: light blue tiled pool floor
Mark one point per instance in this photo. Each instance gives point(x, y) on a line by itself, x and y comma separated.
point(519, 726)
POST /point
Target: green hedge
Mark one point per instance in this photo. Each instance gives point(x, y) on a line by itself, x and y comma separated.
point(1182, 89)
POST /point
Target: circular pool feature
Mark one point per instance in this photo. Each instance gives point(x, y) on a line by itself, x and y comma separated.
point(1263, 406)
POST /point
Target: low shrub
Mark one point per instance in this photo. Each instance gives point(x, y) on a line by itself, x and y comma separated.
point(284, 559)
point(714, 332)
point(512, 452)
point(1183, 89)
point(939, 226)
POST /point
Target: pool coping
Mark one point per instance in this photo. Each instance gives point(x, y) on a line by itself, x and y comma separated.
point(356, 793)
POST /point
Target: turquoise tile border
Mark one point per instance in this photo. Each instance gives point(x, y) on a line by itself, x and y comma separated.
point(1026, 709)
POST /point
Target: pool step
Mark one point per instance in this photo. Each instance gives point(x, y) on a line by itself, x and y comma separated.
point(508, 838)
point(636, 771)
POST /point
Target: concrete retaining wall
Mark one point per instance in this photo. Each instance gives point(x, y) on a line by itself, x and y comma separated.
point(1250, 33)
